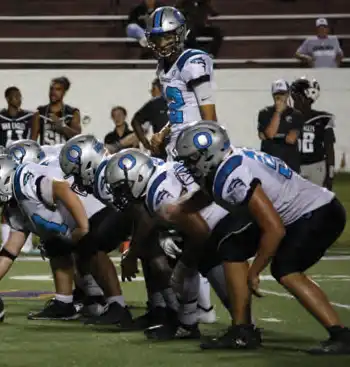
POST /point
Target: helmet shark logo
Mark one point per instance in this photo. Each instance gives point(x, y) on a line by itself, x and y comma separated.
point(74, 154)
point(17, 153)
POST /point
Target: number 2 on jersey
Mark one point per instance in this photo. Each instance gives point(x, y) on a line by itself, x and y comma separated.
point(175, 96)
point(271, 162)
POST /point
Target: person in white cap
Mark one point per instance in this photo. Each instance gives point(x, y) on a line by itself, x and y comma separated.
point(322, 50)
point(280, 125)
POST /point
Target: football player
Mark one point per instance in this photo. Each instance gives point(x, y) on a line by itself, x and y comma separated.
point(14, 125)
point(89, 257)
point(88, 171)
point(186, 76)
point(317, 139)
point(138, 176)
point(297, 220)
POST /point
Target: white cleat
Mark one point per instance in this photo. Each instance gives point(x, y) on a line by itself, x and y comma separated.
point(207, 316)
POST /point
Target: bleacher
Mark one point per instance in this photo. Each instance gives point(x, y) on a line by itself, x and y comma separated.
point(80, 33)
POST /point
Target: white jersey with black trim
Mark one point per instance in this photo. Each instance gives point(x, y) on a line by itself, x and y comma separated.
point(291, 195)
point(169, 182)
point(183, 106)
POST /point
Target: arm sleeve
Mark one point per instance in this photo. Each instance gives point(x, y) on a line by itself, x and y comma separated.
point(304, 48)
point(44, 190)
point(298, 122)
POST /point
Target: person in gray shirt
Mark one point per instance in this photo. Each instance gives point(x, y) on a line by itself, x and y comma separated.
point(322, 50)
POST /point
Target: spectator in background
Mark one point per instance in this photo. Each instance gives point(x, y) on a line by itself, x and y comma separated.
point(137, 20)
point(154, 111)
point(322, 50)
point(56, 122)
point(121, 136)
point(279, 127)
point(196, 14)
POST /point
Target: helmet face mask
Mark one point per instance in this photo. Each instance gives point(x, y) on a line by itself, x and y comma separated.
point(165, 45)
point(7, 170)
point(304, 91)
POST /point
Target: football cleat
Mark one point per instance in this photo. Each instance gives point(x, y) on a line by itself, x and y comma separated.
point(55, 310)
point(237, 337)
point(171, 331)
point(206, 316)
point(2, 310)
point(115, 315)
point(155, 316)
point(335, 345)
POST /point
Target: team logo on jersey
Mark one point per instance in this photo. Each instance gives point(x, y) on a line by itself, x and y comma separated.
point(289, 119)
point(162, 195)
point(202, 140)
point(26, 177)
point(237, 183)
point(199, 61)
point(74, 154)
point(127, 162)
point(17, 153)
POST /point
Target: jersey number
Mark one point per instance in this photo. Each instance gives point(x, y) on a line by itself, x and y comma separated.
point(271, 162)
point(175, 96)
point(19, 135)
point(52, 138)
point(306, 144)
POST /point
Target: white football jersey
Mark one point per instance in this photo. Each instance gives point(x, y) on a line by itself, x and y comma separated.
point(52, 150)
point(33, 193)
point(100, 188)
point(183, 107)
point(291, 195)
point(169, 182)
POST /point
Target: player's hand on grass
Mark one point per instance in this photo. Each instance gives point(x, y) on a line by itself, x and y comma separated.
point(253, 283)
point(128, 266)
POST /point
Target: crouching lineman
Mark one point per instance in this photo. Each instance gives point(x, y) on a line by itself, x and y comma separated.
point(90, 251)
point(297, 221)
point(137, 176)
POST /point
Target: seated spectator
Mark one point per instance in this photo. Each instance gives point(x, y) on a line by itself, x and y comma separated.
point(322, 50)
point(197, 13)
point(137, 20)
point(121, 136)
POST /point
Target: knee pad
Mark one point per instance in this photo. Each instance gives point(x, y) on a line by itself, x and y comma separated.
point(58, 246)
point(6, 253)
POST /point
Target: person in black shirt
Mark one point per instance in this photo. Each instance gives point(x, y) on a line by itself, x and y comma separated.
point(56, 122)
point(137, 20)
point(121, 136)
point(154, 111)
point(317, 139)
point(14, 122)
point(196, 14)
point(280, 126)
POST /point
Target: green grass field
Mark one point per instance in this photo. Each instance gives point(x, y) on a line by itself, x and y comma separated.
point(288, 329)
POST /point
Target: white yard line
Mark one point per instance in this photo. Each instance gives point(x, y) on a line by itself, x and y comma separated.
point(286, 295)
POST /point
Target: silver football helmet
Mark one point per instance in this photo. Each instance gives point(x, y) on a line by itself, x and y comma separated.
point(7, 170)
point(127, 174)
point(80, 157)
point(25, 151)
point(202, 146)
point(166, 31)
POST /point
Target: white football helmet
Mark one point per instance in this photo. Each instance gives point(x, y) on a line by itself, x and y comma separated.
point(25, 151)
point(8, 168)
point(80, 157)
point(202, 146)
point(127, 174)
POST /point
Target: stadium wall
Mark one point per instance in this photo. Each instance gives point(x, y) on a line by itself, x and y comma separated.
point(239, 95)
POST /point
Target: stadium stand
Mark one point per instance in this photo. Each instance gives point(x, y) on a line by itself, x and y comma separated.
point(61, 33)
